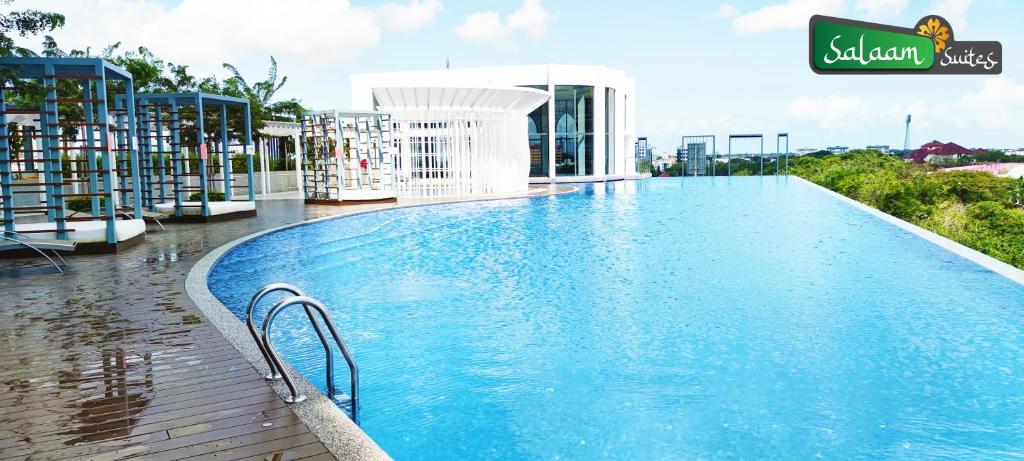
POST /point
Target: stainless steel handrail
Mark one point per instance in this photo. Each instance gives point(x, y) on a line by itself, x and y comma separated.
point(251, 324)
point(308, 303)
point(275, 373)
point(33, 247)
point(29, 237)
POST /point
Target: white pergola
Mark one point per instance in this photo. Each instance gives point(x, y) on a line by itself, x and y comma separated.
point(455, 141)
point(278, 129)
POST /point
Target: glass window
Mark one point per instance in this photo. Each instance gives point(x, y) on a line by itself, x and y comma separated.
point(574, 130)
point(538, 137)
point(609, 130)
point(539, 141)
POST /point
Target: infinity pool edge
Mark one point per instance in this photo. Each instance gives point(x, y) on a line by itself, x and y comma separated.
point(970, 254)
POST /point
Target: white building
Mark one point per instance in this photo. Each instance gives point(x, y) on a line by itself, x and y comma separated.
point(458, 141)
point(583, 133)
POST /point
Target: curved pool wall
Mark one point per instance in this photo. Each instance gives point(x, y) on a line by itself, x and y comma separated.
point(667, 318)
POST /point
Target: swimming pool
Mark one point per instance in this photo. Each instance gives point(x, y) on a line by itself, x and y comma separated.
point(662, 319)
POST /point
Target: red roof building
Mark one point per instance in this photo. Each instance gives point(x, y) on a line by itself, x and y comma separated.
point(935, 152)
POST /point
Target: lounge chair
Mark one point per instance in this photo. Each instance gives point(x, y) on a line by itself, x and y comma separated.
point(38, 245)
point(149, 216)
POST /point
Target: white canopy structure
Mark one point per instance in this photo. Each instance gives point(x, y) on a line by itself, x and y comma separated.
point(459, 141)
point(274, 128)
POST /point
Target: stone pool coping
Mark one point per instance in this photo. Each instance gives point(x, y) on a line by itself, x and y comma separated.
point(342, 437)
point(975, 256)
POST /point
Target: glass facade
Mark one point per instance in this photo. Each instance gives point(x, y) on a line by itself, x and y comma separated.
point(609, 130)
point(574, 130)
point(538, 122)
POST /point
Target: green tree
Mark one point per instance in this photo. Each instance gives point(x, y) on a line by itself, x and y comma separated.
point(261, 95)
point(975, 186)
point(24, 23)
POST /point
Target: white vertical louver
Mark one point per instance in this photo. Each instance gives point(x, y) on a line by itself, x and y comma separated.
point(460, 141)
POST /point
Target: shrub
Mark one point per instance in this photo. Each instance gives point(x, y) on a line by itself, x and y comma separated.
point(82, 204)
point(210, 196)
point(975, 186)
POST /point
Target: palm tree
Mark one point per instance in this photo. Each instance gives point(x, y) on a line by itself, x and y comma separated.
point(260, 92)
point(260, 95)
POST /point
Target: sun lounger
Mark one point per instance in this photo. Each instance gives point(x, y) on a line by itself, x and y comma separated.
point(149, 216)
point(22, 241)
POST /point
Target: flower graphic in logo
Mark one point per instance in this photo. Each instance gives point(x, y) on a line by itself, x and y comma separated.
point(936, 31)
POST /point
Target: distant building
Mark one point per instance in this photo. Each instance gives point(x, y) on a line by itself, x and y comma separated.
point(644, 154)
point(663, 161)
point(1019, 151)
point(696, 155)
point(883, 148)
point(938, 152)
point(806, 150)
point(837, 149)
point(1005, 170)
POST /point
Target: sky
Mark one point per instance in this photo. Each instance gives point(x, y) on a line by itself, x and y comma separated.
point(704, 67)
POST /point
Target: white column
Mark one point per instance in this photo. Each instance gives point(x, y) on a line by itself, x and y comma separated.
point(297, 135)
point(599, 130)
point(551, 131)
point(264, 167)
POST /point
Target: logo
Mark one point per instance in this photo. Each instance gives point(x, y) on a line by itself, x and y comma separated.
point(844, 46)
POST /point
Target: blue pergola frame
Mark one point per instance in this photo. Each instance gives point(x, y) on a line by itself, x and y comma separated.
point(200, 100)
point(100, 181)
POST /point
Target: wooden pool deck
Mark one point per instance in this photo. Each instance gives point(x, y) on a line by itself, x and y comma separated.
point(113, 359)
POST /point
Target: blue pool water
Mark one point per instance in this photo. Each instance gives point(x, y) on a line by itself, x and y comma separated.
point(663, 319)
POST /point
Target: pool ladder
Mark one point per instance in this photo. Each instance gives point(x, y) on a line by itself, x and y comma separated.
point(274, 362)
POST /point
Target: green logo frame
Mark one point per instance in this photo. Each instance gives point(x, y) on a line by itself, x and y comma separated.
point(845, 46)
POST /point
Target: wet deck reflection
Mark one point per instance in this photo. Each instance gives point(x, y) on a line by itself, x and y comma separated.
point(113, 360)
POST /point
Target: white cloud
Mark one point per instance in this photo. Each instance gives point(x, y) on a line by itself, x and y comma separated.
point(878, 9)
point(954, 11)
point(489, 27)
point(727, 11)
point(839, 113)
point(203, 34)
point(485, 26)
point(993, 108)
point(411, 16)
point(791, 15)
point(531, 18)
point(998, 105)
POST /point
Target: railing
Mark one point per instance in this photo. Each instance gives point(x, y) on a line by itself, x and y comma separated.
point(25, 241)
point(273, 359)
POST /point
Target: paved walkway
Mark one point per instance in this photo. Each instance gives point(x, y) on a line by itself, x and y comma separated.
point(113, 360)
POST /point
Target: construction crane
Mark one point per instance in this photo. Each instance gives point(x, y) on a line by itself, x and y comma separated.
point(906, 136)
